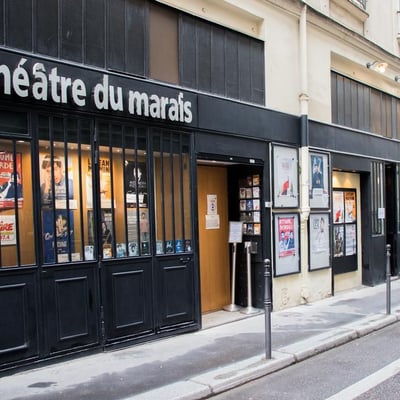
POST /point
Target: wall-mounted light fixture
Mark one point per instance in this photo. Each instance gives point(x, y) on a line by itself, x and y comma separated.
point(378, 66)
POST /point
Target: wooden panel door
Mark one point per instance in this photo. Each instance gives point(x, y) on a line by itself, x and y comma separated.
point(213, 243)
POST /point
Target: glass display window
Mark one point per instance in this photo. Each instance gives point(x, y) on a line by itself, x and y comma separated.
point(17, 236)
point(172, 192)
point(65, 152)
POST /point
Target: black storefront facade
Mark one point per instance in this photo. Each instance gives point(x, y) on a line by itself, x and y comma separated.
point(113, 258)
point(108, 254)
point(107, 216)
point(376, 165)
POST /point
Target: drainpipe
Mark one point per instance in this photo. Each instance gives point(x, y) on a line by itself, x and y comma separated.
point(304, 134)
point(303, 97)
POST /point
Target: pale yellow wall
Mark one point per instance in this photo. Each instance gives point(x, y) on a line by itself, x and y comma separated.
point(334, 27)
point(302, 288)
point(245, 17)
point(383, 34)
point(282, 61)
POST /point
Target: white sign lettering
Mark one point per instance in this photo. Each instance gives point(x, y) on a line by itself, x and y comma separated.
point(44, 85)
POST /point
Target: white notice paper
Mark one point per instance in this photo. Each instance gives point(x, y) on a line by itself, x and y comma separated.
point(212, 221)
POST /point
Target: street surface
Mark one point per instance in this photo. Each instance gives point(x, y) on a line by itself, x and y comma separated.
point(364, 369)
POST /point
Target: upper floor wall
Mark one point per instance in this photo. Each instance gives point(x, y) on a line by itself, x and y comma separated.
point(274, 53)
point(298, 62)
point(377, 21)
point(140, 38)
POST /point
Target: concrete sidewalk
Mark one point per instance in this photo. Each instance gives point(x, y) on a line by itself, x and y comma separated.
point(197, 365)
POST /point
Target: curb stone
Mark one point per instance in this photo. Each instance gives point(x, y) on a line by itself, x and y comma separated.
point(228, 377)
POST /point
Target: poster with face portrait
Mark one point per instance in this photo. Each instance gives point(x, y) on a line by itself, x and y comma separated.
point(135, 184)
point(55, 186)
point(285, 177)
point(319, 180)
point(10, 179)
point(319, 241)
point(286, 233)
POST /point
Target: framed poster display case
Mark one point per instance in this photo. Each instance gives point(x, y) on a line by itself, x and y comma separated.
point(287, 246)
point(319, 250)
point(319, 180)
point(286, 178)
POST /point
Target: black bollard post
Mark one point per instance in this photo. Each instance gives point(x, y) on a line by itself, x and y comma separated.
point(388, 280)
point(267, 306)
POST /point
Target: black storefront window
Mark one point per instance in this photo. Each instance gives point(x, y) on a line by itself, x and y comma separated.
point(64, 158)
point(122, 178)
point(124, 192)
point(172, 192)
point(377, 203)
point(17, 238)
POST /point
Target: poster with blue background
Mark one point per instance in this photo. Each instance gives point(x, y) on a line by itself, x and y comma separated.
point(58, 224)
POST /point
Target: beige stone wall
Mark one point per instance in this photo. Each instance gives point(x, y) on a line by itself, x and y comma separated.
point(338, 37)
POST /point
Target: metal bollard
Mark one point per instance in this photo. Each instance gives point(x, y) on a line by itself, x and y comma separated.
point(267, 307)
point(388, 280)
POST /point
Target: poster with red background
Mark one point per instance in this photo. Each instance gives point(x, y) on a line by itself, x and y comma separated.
point(10, 179)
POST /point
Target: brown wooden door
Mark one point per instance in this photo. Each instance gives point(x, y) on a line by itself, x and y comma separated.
point(214, 246)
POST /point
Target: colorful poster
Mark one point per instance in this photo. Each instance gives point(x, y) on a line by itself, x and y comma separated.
point(7, 230)
point(63, 230)
point(105, 182)
point(10, 180)
point(285, 177)
point(338, 241)
point(53, 177)
point(338, 207)
point(319, 187)
point(350, 206)
point(106, 233)
point(286, 237)
point(121, 250)
point(135, 184)
point(287, 244)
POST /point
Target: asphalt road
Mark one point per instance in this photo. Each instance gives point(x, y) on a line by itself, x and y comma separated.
point(364, 369)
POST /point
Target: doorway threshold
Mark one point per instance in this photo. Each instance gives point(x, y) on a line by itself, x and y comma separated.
point(222, 317)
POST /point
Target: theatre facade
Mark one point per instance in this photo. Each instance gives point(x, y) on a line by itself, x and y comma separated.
point(121, 195)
